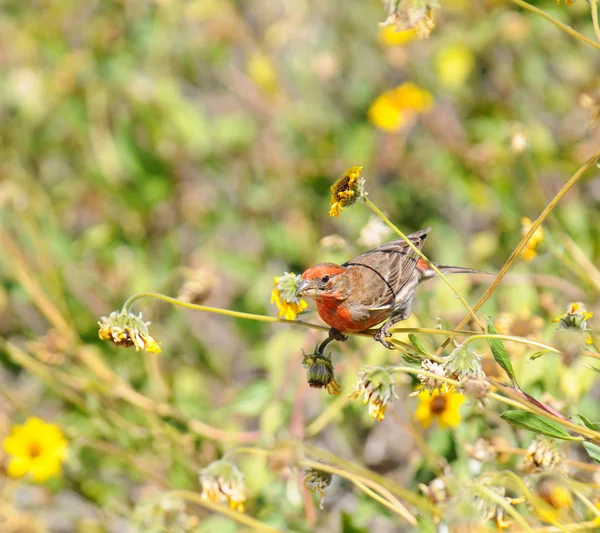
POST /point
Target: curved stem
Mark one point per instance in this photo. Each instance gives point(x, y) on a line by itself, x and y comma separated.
point(538, 222)
point(512, 339)
point(242, 518)
point(378, 212)
point(556, 22)
point(594, 7)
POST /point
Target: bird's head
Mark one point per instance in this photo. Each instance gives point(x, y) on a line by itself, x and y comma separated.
point(324, 281)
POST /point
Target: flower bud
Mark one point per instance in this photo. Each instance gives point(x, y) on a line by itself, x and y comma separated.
point(320, 373)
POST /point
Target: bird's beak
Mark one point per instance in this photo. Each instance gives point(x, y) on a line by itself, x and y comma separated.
point(303, 286)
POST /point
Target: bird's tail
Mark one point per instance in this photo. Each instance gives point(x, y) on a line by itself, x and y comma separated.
point(445, 269)
point(427, 272)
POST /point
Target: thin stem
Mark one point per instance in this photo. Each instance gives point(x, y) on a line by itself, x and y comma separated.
point(594, 6)
point(378, 212)
point(396, 506)
point(556, 22)
point(576, 526)
point(512, 339)
point(242, 518)
point(538, 222)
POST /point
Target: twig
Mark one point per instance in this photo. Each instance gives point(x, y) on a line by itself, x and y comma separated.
point(556, 22)
point(538, 222)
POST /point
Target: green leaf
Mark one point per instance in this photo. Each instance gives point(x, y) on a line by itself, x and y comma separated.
point(593, 450)
point(500, 353)
point(411, 360)
point(537, 354)
point(537, 424)
point(417, 344)
point(583, 421)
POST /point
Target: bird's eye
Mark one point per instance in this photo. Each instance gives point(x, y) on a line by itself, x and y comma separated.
point(325, 279)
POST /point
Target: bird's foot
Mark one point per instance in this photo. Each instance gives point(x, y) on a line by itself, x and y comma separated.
point(334, 335)
point(382, 333)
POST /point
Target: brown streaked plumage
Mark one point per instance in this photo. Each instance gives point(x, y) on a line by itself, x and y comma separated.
point(375, 287)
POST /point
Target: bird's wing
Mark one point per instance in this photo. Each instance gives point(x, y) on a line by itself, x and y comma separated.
point(386, 269)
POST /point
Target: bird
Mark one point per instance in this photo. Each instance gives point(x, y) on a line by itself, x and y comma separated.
point(376, 287)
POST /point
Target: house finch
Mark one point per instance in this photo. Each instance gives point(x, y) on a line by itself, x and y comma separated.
point(375, 287)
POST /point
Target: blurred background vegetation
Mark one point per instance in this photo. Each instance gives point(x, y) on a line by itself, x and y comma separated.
point(188, 147)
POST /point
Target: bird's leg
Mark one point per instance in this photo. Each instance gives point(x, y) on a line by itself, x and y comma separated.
point(334, 335)
point(384, 331)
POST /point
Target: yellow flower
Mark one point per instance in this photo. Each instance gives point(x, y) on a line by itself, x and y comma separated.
point(391, 36)
point(346, 190)
point(575, 319)
point(284, 296)
point(36, 448)
point(529, 252)
point(395, 107)
point(454, 64)
point(126, 329)
point(261, 71)
point(445, 408)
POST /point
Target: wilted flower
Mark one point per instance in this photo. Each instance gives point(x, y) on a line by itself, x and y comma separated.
point(317, 481)
point(376, 386)
point(529, 252)
point(430, 383)
point(320, 373)
point(223, 482)
point(395, 107)
point(445, 408)
point(346, 191)
point(126, 329)
point(36, 448)
point(408, 14)
point(540, 457)
point(462, 362)
point(284, 296)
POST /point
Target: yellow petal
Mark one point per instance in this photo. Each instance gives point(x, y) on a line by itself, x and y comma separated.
point(18, 466)
point(44, 468)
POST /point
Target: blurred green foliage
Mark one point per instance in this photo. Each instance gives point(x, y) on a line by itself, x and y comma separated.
point(144, 144)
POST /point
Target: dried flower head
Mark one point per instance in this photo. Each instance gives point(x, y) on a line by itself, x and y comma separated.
point(317, 481)
point(284, 296)
point(126, 329)
point(541, 457)
point(482, 451)
point(376, 386)
point(409, 14)
point(530, 251)
point(374, 233)
point(223, 482)
point(320, 373)
point(35, 448)
point(445, 408)
point(430, 383)
point(463, 362)
point(476, 387)
point(346, 191)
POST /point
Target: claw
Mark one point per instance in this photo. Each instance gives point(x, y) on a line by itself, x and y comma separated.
point(381, 335)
